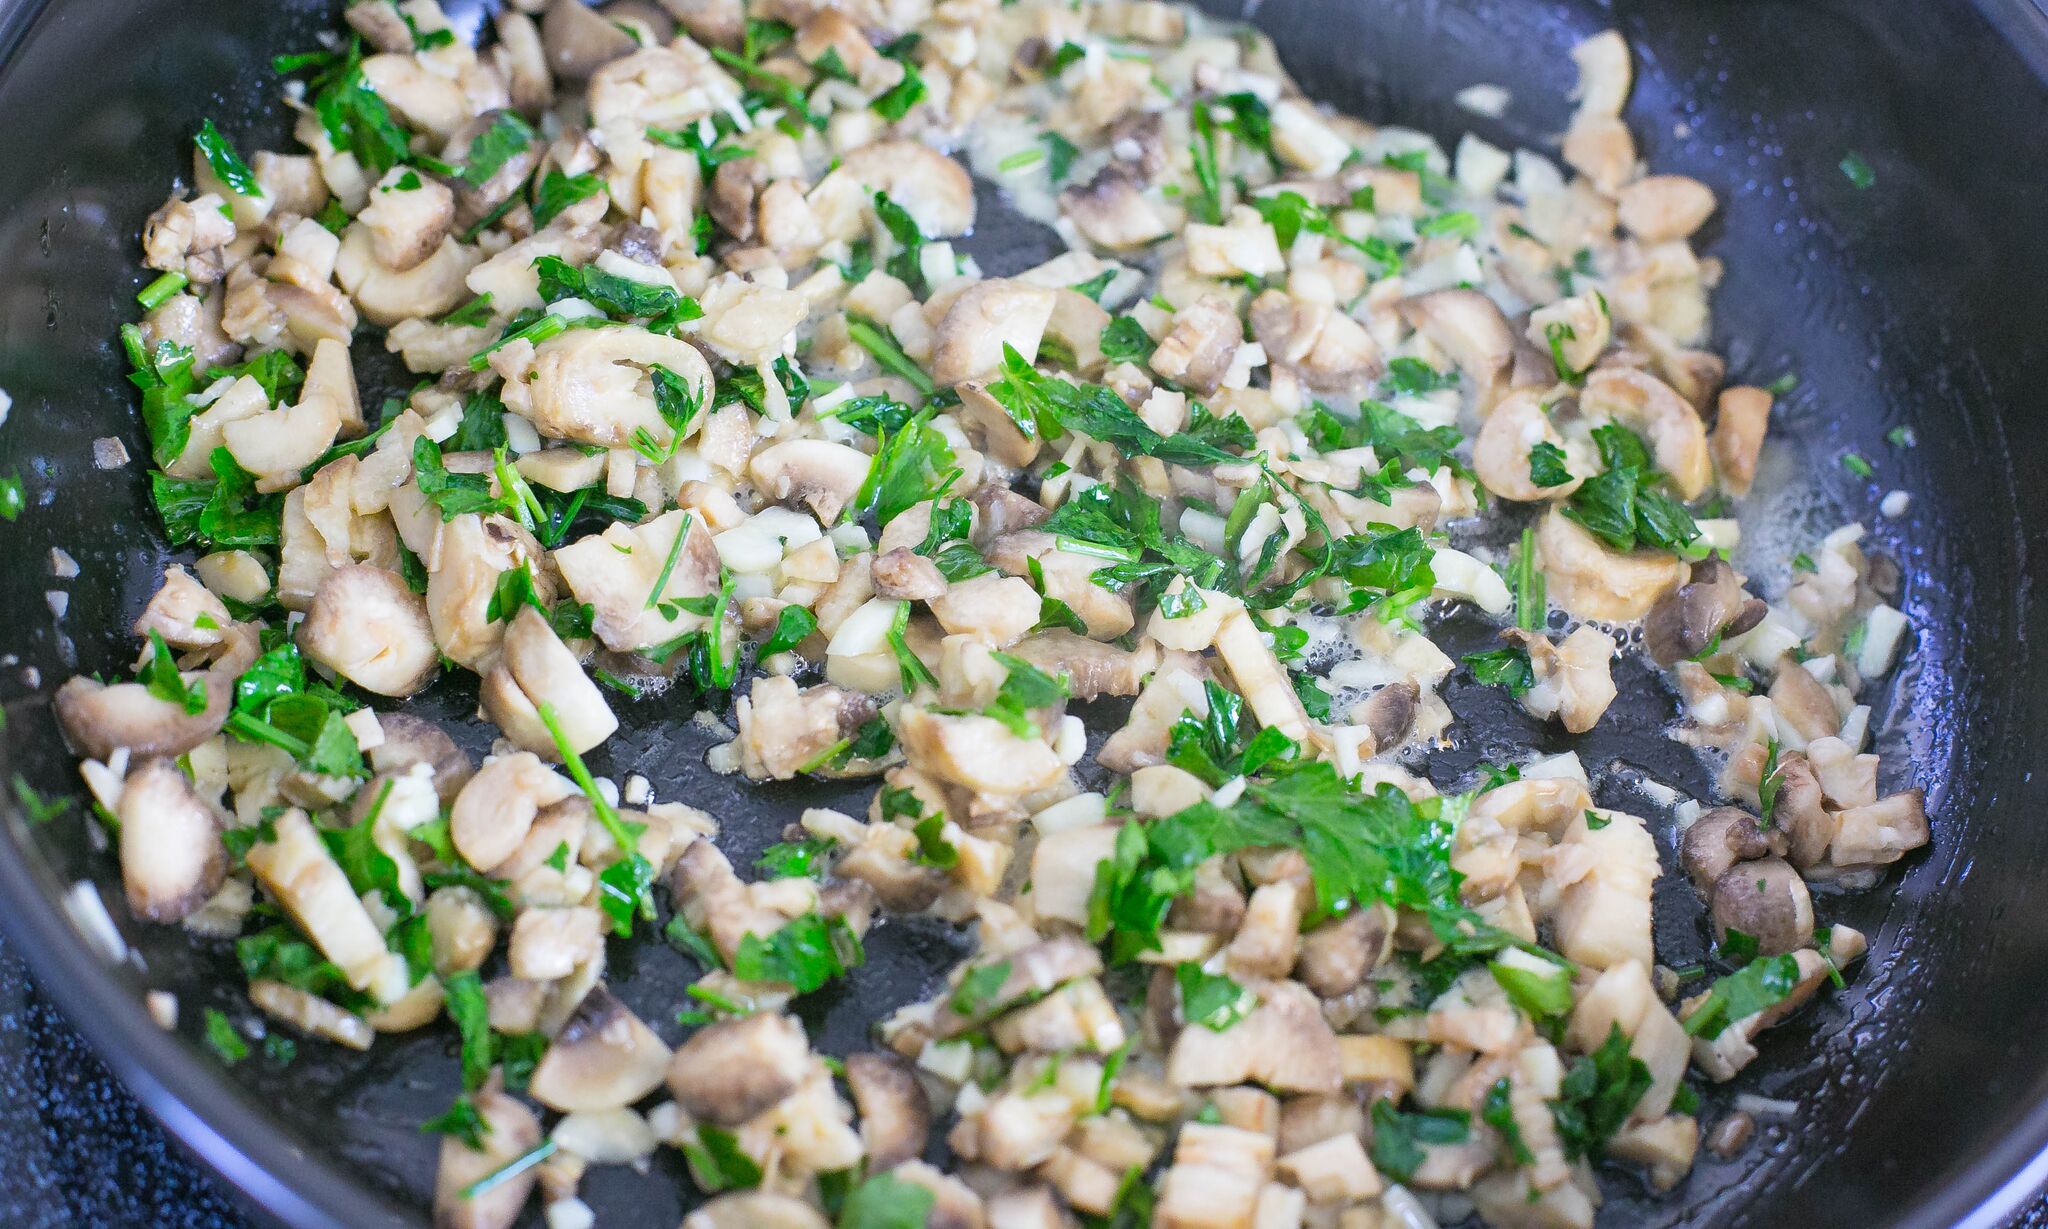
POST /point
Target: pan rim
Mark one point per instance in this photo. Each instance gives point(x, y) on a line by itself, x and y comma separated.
point(237, 1140)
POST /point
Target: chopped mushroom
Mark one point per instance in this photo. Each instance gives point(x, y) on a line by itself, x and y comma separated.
point(1593, 582)
point(985, 320)
point(895, 1113)
point(1744, 415)
point(368, 627)
point(1677, 438)
point(101, 718)
point(603, 1058)
point(1723, 837)
point(728, 1072)
point(1573, 679)
point(1766, 900)
point(1472, 330)
point(1708, 607)
point(536, 669)
point(509, 1132)
point(172, 859)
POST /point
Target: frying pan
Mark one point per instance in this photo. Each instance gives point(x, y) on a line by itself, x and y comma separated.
point(1922, 1092)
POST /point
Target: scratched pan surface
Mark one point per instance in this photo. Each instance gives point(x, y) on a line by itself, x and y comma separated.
point(1923, 1096)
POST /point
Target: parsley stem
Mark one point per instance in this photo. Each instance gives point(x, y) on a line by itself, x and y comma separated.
point(668, 565)
point(255, 730)
point(539, 331)
point(627, 842)
point(153, 295)
point(876, 340)
point(511, 1169)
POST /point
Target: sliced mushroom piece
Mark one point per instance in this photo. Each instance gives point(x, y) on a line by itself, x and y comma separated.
point(1882, 832)
point(1593, 582)
point(982, 322)
point(1068, 576)
point(1201, 345)
point(387, 296)
point(1677, 438)
point(1743, 418)
point(998, 510)
point(536, 668)
point(1804, 702)
point(1030, 972)
point(977, 752)
point(1329, 350)
point(731, 1070)
point(821, 475)
point(369, 628)
point(592, 386)
point(1767, 900)
point(491, 815)
point(1470, 328)
point(1338, 954)
point(1260, 678)
point(1572, 332)
point(408, 216)
point(1284, 1044)
point(411, 740)
point(755, 1210)
point(473, 552)
point(1113, 212)
point(906, 576)
point(279, 445)
point(510, 1132)
point(184, 612)
point(580, 40)
point(1658, 208)
point(935, 190)
point(1573, 678)
point(1722, 837)
point(99, 718)
point(1710, 604)
point(548, 944)
point(1092, 668)
point(616, 572)
point(299, 872)
point(1799, 811)
point(474, 203)
point(603, 1058)
point(895, 1112)
point(784, 729)
point(1501, 451)
point(172, 859)
point(1389, 713)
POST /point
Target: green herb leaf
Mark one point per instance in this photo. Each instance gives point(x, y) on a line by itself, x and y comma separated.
point(1497, 1111)
point(1211, 1000)
point(1598, 1094)
point(1400, 1137)
point(804, 954)
point(885, 1201)
point(226, 163)
point(559, 191)
point(222, 1036)
point(1858, 172)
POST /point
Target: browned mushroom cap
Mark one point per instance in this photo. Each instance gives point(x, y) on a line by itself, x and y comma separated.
point(732, 1070)
point(1798, 812)
point(895, 1112)
point(1804, 701)
point(1336, 956)
point(510, 1131)
point(100, 717)
point(1711, 603)
point(1766, 900)
point(474, 204)
point(755, 1210)
point(1389, 713)
point(1000, 510)
point(172, 859)
point(410, 740)
point(1722, 837)
point(580, 41)
point(603, 1058)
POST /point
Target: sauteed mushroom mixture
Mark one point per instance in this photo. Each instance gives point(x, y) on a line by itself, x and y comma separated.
point(709, 405)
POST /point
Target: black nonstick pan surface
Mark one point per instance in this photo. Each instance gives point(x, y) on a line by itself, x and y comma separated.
point(1922, 300)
